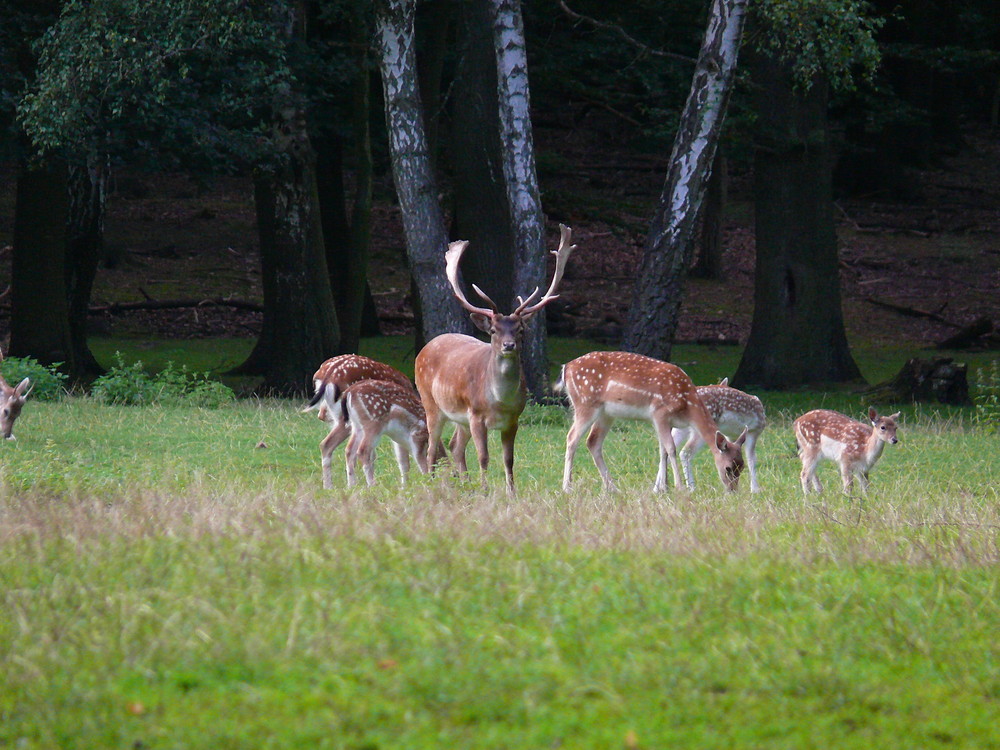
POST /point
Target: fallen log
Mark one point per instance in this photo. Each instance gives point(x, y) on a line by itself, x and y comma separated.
point(115, 308)
point(914, 312)
point(938, 379)
point(967, 336)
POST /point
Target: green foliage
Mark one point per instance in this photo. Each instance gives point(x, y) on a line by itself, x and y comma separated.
point(833, 39)
point(987, 397)
point(131, 385)
point(47, 383)
point(189, 78)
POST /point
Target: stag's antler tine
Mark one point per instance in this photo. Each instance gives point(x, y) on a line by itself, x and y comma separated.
point(562, 255)
point(451, 259)
point(523, 303)
point(483, 294)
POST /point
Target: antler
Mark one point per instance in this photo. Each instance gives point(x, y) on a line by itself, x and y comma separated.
point(451, 259)
point(562, 255)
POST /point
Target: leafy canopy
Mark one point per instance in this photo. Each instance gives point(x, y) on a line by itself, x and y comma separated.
point(175, 79)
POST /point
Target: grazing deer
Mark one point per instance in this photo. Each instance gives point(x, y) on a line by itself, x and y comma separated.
point(732, 410)
point(331, 380)
point(476, 385)
point(374, 408)
point(605, 386)
point(856, 447)
point(11, 402)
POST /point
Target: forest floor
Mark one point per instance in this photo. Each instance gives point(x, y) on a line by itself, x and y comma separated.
point(912, 272)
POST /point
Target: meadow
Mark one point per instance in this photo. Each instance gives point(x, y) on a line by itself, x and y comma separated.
point(174, 577)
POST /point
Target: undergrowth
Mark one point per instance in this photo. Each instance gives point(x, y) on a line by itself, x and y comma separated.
point(131, 385)
point(987, 398)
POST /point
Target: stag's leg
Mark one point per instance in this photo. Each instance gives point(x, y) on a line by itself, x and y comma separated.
point(435, 426)
point(750, 451)
point(595, 442)
point(668, 452)
point(507, 441)
point(458, 443)
point(581, 423)
point(340, 432)
point(477, 426)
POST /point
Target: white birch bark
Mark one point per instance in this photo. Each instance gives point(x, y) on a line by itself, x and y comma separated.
point(423, 221)
point(659, 286)
point(518, 155)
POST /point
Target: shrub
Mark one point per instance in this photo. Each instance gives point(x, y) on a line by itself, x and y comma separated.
point(132, 385)
point(987, 398)
point(47, 383)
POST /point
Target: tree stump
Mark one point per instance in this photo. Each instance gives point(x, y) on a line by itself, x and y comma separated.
point(938, 379)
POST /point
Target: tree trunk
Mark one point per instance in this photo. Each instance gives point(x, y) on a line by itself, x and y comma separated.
point(87, 196)
point(481, 212)
point(523, 197)
point(797, 336)
point(305, 330)
point(39, 319)
point(656, 299)
point(709, 265)
point(423, 222)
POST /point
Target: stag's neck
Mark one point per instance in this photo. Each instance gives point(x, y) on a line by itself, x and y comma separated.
point(504, 376)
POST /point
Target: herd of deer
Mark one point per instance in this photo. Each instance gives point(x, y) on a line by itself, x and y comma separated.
point(480, 386)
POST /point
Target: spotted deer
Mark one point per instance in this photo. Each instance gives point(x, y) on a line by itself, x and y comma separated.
point(605, 386)
point(855, 446)
point(11, 402)
point(377, 408)
point(331, 380)
point(477, 385)
point(733, 410)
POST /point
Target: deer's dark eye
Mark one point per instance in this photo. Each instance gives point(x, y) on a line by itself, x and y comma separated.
point(6, 412)
point(882, 427)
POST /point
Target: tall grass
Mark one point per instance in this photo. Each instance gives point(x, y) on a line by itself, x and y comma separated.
point(173, 577)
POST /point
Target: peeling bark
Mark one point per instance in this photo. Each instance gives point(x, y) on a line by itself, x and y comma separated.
point(523, 196)
point(423, 221)
point(657, 296)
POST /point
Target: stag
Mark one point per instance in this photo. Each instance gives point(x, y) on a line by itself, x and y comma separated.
point(477, 385)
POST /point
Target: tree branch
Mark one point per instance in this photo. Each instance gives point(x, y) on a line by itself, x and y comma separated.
point(616, 29)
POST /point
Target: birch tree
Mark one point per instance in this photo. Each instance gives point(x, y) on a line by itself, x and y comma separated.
point(423, 221)
point(518, 159)
point(656, 301)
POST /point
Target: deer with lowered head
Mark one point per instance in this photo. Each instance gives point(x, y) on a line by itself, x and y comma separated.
point(605, 386)
point(856, 447)
point(733, 410)
point(477, 385)
point(11, 402)
point(375, 408)
point(331, 380)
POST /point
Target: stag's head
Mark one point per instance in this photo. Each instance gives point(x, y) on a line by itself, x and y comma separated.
point(507, 331)
point(11, 402)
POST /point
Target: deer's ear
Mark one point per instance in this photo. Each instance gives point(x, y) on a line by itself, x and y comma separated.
point(742, 438)
point(720, 441)
point(894, 416)
point(872, 414)
point(482, 322)
point(724, 382)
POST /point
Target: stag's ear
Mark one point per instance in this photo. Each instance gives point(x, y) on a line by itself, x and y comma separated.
point(872, 414)
point(482, 322)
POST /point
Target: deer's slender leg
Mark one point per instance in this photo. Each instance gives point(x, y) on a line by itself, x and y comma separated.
point(458, 444)
point(750, 451)
point(595, 442)
point(477, 426)
point(668, 452)
point(340, 432)
point(581, 423)
point(402, 452)
point(507, 441)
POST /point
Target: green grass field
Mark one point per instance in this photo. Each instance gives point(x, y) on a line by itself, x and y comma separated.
point(166, 583)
